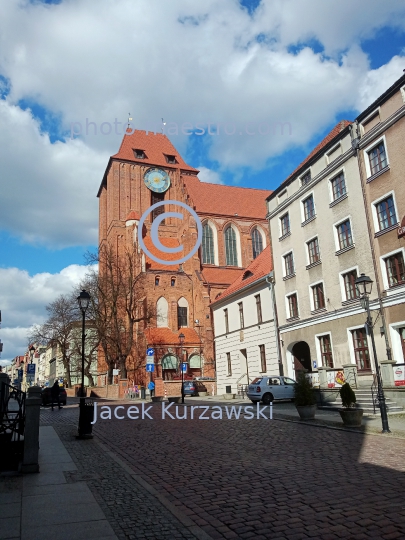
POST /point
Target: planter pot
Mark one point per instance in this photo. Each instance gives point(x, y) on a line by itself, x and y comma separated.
point(203, 394)
point(351, 417)
point(174, 399)
point(306, 412)
point(229, 396)
point(157, 399)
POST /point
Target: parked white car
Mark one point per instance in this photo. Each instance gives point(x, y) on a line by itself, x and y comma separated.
point(269, 388)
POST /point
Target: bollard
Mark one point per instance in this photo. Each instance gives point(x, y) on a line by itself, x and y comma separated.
point(31, 431)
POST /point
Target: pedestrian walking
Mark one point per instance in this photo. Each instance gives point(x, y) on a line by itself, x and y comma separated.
point(151, 387)
point(55, 394)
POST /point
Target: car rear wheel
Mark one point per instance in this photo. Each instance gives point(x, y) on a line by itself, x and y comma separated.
point(267, 399)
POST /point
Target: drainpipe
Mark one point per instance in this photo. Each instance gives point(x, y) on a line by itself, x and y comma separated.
point(271, 282)
point(355, 144)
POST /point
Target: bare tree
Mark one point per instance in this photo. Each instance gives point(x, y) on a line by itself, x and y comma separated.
point(57, 329)
point(118, 309)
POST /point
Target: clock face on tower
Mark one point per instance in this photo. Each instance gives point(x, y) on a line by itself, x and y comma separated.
point(157, 180)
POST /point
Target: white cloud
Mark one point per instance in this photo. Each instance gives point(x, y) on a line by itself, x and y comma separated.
point(208, 175)
point(183, 60)
point(23, 299)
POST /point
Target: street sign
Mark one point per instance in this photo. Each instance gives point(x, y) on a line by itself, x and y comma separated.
point(150, 359)
point(184, 367)
point(116, 372)
point(30, 369)
point(150, 367)
point(150, 352)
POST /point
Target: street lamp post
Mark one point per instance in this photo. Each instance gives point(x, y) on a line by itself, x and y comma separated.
point(364, 286)
point(198, 325)
point(181, 339)
point(83, 300)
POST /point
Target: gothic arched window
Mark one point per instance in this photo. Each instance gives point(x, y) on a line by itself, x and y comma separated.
point(257, 243)
point(208, 254)
point(230, 247)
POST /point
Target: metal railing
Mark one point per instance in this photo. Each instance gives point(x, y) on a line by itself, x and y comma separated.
point(242, 390)
point(12, 412)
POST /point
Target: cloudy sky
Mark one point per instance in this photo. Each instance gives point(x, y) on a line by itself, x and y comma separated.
point(72, 70)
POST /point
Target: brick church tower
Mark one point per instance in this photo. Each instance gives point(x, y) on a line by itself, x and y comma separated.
point(148, 169)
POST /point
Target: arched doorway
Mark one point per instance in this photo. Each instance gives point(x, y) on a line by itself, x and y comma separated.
point(301, 356)
point(169, 367)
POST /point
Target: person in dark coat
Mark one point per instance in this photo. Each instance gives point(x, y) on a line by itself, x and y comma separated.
point(55, 394)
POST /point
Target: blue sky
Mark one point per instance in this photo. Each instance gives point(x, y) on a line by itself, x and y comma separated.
point(306, 64)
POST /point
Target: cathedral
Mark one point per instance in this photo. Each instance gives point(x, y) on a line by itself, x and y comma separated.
point(147, 170)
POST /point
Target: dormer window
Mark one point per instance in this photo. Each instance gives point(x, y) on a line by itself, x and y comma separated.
point(139, 154)
point(170, 159)
point(247, 274)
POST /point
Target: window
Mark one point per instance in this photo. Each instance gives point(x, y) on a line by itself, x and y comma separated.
point(309, 208)
point(170, 159)
point(395, 269)
point(157, 280)
point(361, 352)
point(208, 254)
point(378, 158)
point(257, 243)
point(139, 154)
point(313, 251)
point(289, 264)
point(226, 321)
point(338, 186)
point(318, 296)
point(173, 282)
point(293, 305)
point(326, 351)
point(241, 319)
point(285, 224)
point(386, 213)
point(305, 178)
point(351, 290)
point(181, 316)
point(263, 367)
point(259, 309)
point(157, 197)
point(230, 247)
point(229, 363)
point(344, 231)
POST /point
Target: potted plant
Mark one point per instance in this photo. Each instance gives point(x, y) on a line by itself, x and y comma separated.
point(304, 397)
point(350, 414)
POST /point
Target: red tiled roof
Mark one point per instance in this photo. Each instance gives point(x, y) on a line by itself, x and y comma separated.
point(155, 148)
point(329, 137)
point(259, 268)
point(168, 242)
point(220, 276)
point(165, 336)
point(226, 200)
point(133, 216)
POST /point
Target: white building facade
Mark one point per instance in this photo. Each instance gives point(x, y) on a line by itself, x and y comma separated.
point(244, 328)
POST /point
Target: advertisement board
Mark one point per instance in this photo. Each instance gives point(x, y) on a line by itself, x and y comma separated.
point(399, 375)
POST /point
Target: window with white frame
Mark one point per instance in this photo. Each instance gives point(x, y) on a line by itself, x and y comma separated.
point(395, 269)
point(360, 346)
point(292, 303)
point(325, 348)
point(288, 264)
point(313, 251)
point(377, 157)
point(263, 366)
point(229, 363)
point(338, 186)
point(306, 178)
point(385, 213)
point(344, 234)
point(226, 320)
point(308, 207)
point(318, 296)
point(285, 224)
point(349, 282)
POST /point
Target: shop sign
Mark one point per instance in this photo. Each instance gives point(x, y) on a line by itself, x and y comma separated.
point(399, 375)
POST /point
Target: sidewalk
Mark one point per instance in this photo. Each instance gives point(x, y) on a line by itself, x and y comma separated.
point(44, 506)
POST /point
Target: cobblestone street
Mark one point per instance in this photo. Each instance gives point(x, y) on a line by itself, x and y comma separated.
point(238, 478)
